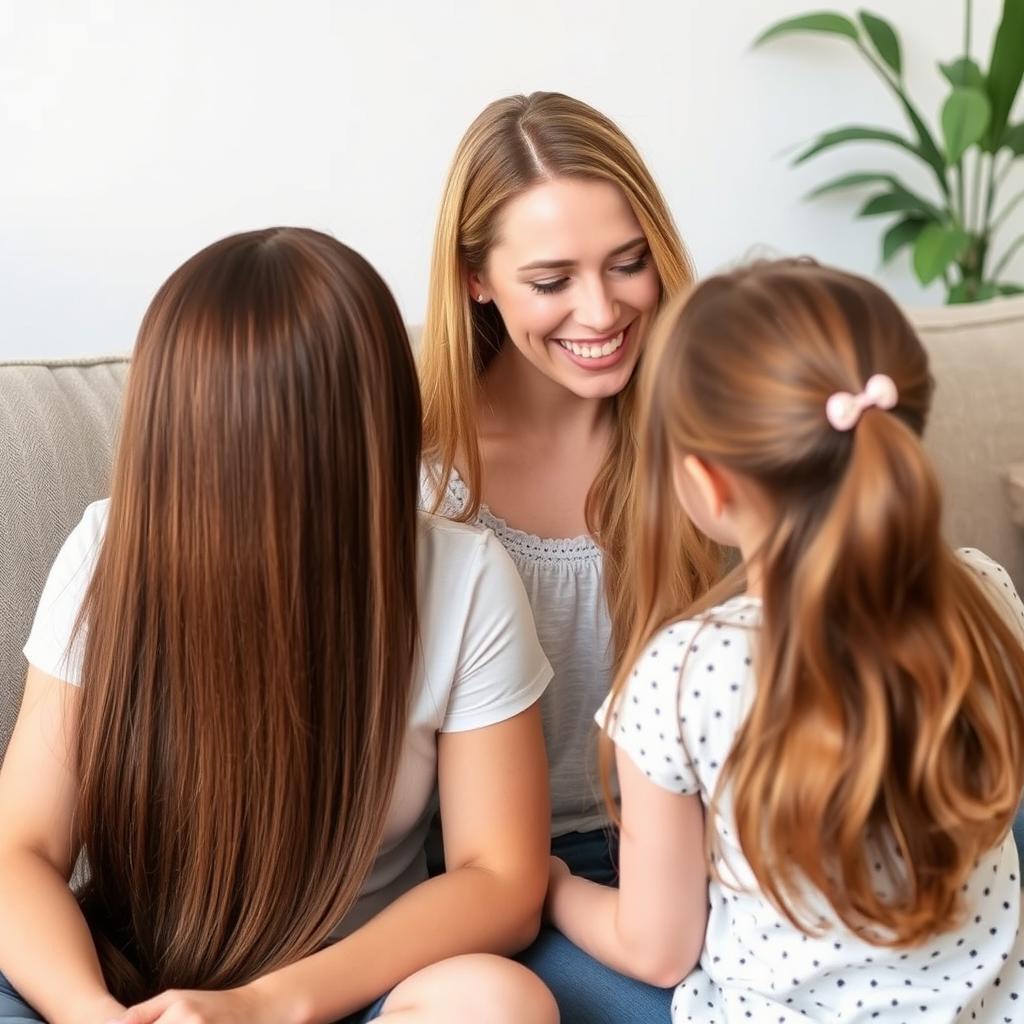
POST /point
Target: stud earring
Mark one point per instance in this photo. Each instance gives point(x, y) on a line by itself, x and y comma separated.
point(480, 297)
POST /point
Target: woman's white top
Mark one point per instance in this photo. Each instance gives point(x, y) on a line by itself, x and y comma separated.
point(479, 663)
point(686, 699)
point(563, 581)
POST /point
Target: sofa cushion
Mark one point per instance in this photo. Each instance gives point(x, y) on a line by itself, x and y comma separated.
point(58, 420)
point(976, 428)
point(1015, 492)
point(57, 424)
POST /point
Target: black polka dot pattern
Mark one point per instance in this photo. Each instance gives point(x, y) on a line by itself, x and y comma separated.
point(756, 966)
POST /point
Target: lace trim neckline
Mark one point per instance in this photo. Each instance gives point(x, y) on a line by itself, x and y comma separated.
point(554, 549)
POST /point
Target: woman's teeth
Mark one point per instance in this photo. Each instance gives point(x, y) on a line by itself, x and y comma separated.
point(594, 351)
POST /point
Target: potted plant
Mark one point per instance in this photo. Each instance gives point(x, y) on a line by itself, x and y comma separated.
point(953, 231)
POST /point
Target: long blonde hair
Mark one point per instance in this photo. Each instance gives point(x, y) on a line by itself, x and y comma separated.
point(513, 144)
point(249, 629)
point(887, 729)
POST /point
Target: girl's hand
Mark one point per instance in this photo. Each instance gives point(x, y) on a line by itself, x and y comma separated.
point(558, 875)
point(558, 870)
point(231, 1006)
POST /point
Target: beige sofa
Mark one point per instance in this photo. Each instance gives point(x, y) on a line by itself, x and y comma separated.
point(57, 426)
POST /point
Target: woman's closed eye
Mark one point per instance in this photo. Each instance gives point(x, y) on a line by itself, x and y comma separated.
point(633, 267)
point(549, 287)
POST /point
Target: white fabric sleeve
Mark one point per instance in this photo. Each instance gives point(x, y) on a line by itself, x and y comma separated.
point(502, 668)
point(49, 646)
point(685, 700)
point(996, 583)
point(647, 724)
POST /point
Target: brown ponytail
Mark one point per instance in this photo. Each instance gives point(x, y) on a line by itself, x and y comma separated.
point(886, 737)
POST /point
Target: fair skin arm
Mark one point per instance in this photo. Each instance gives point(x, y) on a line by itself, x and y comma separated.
point(494, 811)
point(493, 785)
point(45, 946)
point(651, 927)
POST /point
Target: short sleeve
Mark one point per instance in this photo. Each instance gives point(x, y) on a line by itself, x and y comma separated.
point(502, 668)
point(685, 699)
point(996, 583)
point(49, 646)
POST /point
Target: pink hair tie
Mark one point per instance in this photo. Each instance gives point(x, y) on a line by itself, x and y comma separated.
point(843, 410)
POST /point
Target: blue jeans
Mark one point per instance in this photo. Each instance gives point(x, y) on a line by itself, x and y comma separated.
point(586, 991)
point(14, 1009)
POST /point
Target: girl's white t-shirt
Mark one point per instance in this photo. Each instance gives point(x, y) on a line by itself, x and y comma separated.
point(479, 663)
point(686, 699)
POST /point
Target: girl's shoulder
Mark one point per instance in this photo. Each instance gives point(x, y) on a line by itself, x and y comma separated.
point(49, 646)
point(997, 585)
point(480, 655)
point(687, 695)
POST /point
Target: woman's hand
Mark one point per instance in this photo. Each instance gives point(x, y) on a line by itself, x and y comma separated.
point(98, 1011)
point(230, 1006)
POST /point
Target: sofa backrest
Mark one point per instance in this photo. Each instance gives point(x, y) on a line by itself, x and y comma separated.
point(57, 428)
point(58, 423)
point(976, 428)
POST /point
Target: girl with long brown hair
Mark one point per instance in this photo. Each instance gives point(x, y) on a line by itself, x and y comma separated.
point(251, 669)
point(846, 713)
point(554, 249)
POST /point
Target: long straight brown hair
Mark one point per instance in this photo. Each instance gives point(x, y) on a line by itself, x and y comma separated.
point(887, 729)
point(512, 145)
point(250, 627)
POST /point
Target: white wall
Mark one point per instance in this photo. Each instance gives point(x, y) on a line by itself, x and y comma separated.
point(132, 133)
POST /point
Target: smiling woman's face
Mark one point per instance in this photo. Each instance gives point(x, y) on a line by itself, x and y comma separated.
point(572, 277)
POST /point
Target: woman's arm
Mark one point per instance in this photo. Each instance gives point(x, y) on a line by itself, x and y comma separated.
point(495, 814)
point(46, 950)
point(652, 926)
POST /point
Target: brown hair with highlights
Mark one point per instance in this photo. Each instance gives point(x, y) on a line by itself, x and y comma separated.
point(886, 736)
point(250, 627)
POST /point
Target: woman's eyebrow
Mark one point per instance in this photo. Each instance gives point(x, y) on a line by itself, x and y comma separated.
point(560, 264)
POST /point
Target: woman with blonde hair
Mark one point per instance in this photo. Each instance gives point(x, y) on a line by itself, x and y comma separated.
point(249, 671)
point(554, 250)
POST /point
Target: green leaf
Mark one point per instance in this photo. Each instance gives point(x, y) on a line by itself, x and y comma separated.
point(849, 180)
point(883, 37)
point(1005, 70)
point(971, 291)
point(965, 117)
point(856, 133)
point(899, 200)
point(900, 235)
point(964, 73)
point(824, 21)
point(936, 247)
point(1010, 289)
point(926, 148)
point(1013, 139)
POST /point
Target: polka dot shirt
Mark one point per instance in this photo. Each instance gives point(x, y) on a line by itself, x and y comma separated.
point(686, 699)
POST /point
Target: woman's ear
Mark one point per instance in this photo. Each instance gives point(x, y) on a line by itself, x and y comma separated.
point(477, 288)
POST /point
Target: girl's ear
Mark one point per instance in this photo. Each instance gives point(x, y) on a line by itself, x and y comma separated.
point(695, 477)
point(706, 493)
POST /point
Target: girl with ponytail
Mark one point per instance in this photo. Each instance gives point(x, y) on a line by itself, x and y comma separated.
point(839, 725)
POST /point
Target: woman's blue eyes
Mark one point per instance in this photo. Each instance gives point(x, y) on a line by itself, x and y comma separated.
point(626, 269)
